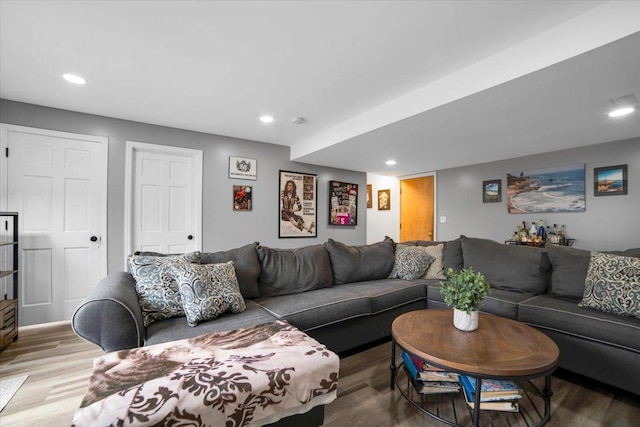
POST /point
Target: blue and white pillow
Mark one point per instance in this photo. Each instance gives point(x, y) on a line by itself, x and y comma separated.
point(156, 287)
point(208, 290)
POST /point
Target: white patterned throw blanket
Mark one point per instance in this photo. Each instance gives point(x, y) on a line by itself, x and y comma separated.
point(245, 377)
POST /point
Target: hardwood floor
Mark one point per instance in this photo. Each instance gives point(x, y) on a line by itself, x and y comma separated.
point(59, 365)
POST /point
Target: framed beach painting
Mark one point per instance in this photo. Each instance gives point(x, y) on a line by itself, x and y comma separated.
point(492, 191)
point(559, 189)
point(610, 181)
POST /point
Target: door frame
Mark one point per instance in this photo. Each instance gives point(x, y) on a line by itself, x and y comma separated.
point(434, 174)
point(5, 128)
point(133, 147)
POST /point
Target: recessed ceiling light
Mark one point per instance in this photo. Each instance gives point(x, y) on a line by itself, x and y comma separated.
point(266, 119)
point(72, 78)
point(623, 105)
point(390, 162)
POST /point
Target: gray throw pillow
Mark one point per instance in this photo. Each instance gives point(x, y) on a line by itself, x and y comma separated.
point(359, 263)
point(508, 267)
point(208, 290)
point(613, 284)
point(156, 287)
point(291, 271)
point(246, 263)
point(411, 262)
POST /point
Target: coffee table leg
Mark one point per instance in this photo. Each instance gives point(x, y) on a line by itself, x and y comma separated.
point(476, 407)
point(393, 364)
point(547, 392)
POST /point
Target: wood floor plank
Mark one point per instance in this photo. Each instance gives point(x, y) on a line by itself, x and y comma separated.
point(59, 365)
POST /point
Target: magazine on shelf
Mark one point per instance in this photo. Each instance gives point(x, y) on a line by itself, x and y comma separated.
point(498, 405)
point(432, 387)
point(425, 372)
point(491, 389)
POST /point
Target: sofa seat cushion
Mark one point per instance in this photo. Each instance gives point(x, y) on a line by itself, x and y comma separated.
point(291, 271)
point(564, 315)
point(501, 302)
point(317, 308)
point(388, 294)
point(519, 268)
point(177, 328)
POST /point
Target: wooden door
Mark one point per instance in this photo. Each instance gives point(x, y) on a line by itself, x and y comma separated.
point(56, 181)
point(416, 208)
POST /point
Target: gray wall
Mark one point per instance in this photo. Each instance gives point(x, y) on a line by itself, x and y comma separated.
point(222, 227)
point(609, 222)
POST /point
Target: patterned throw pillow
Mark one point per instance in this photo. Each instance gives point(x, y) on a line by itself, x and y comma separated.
point(156, 287)
point(411, 262)
point(613, 284)
point(208, 290)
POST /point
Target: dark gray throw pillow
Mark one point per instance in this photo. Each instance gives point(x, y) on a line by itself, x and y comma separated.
point(246, 263)
point(508, 267)
point(291, 271)
point(359, 263)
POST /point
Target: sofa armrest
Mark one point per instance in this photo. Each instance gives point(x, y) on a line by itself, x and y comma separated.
point(111, 316)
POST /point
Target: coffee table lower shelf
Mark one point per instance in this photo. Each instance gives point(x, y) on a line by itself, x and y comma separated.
point(452, 409)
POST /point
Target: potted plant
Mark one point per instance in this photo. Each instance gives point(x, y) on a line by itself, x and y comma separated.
point(464, 291)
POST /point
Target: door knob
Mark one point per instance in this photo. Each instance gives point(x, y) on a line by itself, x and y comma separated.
point(190, 237)
point(93, 238)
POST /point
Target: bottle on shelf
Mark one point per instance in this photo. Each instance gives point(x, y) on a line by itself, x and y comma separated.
point(552, 235)
point(562, 235)
point(541, 231)
point(533, 231)
point(523, 233)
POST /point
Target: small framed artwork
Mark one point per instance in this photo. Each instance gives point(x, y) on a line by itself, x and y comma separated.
point(343, 203)
point(610, 181)
point(242, 198)
point(384, 200)
point(369, 197)
point(243, 168)
point(492, 191)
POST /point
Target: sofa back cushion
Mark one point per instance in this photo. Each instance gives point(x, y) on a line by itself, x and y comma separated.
point(518, 268)
point(246, 263)
point(359, 263)
point(569, 269)
point(291, 271)
point(451, 254)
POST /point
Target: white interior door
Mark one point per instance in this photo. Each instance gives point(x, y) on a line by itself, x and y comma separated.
point(57, 183)
point(165, 198)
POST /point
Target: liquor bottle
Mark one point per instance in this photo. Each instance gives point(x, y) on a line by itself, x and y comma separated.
point(523, 232)
point(541, 231)
point(552, 235)
point(533, 231)
point(562, 235)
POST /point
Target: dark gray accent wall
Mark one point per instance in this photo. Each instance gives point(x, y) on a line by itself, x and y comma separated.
point(222, 227)
point(609, 222)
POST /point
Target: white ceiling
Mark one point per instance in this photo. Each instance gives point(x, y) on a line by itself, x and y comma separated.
point(431, 84)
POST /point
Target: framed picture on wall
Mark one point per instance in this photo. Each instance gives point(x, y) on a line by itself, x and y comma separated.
point(343, 203)
point(384, 200)
point(242, 198)
point(298, 204)
point(369, 197)
point(492, 191)
point(243, 168)
point(610, 181)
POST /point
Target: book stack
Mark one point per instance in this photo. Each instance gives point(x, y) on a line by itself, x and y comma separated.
point(427, 379)
point(495, 395)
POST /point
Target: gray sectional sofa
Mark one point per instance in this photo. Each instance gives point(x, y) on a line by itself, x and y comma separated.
point(341, 295)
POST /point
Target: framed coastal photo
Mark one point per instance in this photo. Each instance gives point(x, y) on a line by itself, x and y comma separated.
point(243, 168)
point(343, 203)
point(492, 191)
point(559, 189)
point(242, 198)
point(369, 197)
point(298, 204)
point(610, 181)
point(384, 200)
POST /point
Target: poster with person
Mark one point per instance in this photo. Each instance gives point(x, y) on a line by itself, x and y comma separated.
point(298, 204)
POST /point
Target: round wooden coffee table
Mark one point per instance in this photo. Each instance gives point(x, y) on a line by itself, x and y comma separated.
point(500, 348)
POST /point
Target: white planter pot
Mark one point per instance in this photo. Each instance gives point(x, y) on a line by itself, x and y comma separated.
point(465, 322)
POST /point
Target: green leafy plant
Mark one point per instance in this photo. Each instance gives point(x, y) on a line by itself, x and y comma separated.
point(464, 290)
